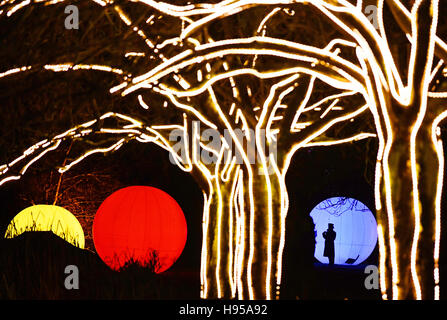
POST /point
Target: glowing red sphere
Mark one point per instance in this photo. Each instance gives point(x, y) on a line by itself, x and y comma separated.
point(135, 221)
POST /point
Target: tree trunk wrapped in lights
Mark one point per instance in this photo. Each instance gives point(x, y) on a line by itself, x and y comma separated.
point(208, 85)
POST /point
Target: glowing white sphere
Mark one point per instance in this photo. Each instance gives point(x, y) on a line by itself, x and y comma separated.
point(355, 227)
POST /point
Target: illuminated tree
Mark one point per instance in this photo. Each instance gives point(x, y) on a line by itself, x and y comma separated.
point(256, 117)
point(212, 83)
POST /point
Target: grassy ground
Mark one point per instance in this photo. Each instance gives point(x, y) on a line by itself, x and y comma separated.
point(32, 266)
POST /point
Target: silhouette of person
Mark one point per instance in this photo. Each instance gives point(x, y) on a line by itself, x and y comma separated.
point(329, 237)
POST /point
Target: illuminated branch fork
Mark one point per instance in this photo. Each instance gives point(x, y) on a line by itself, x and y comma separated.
point(406, 120)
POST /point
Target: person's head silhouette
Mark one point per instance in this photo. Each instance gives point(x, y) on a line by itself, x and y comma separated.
point(330, 226)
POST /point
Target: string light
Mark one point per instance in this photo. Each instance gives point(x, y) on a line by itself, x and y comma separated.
point(382, 259)
point(437, 143)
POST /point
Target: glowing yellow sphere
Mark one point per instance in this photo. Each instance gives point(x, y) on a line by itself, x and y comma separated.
point(47, 218)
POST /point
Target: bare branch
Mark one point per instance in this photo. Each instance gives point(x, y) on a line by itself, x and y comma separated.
point(323, 142)
point(309, 133)
point(307, 59)
point(131, 129)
